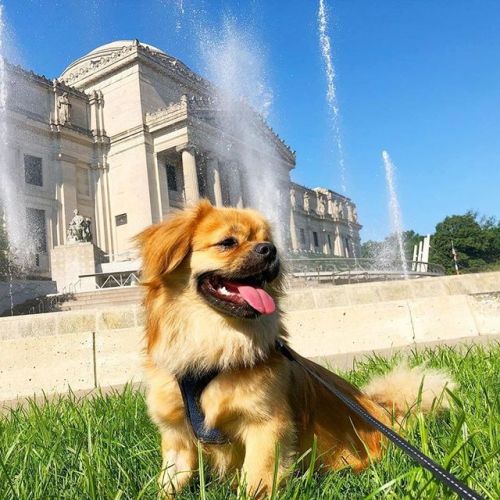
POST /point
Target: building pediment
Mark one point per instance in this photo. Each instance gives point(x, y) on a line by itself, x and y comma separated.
point(208, 110)
point(113, 56)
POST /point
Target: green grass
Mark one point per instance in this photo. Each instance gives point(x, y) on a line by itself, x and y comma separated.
point(106, 447)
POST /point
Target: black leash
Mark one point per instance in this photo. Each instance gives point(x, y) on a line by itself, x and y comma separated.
point(461, 489)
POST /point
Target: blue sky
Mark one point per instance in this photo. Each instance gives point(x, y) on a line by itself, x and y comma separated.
point(420, 78)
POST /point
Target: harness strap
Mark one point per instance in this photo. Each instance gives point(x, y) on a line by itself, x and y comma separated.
point(461, 489)
point(191, 387)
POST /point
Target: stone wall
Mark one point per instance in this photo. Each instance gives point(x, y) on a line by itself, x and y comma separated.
point(23, 290)
point(51, 352)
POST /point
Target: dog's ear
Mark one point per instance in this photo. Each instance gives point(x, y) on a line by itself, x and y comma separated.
point(164, 246)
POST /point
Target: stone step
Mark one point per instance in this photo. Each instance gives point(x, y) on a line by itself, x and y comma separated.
point(103, 298)
point(110, 291)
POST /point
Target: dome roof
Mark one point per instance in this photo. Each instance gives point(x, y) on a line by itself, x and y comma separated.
point(118, 44)
point(108, 49)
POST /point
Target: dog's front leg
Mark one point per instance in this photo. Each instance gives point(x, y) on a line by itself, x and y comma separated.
point(266, 442)
point(178, 462)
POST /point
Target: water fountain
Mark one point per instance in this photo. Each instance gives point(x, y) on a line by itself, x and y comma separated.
point(5, 185)
point(19, 247)
point(395, 212)
point(234, 62)
point(333, 106)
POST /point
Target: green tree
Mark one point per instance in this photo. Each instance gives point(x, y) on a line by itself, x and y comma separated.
point(491, 227)
point(477, 243)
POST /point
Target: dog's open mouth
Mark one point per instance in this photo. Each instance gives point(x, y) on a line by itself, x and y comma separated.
point(243, 297)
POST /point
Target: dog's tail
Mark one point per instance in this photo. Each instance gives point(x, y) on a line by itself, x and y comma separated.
point(406, 390)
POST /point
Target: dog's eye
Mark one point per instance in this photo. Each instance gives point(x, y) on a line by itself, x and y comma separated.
point(228, 242)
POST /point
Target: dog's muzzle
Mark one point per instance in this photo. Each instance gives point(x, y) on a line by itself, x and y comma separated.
point(244, 293)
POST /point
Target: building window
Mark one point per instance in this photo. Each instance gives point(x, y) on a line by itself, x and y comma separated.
point(329, 242)
point(171, 177)
point(37, 229)
point(33, 173)
point(121, 220)
point(315, 238)
point(302, 236)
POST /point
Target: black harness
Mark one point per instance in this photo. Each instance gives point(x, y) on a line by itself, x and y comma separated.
point(192, 386)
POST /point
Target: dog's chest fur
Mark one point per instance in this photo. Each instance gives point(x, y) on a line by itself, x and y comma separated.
point(193, 337)
point(230, 402)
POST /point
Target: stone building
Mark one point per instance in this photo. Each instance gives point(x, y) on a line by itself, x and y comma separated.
point(126, 133)
point(323, 222)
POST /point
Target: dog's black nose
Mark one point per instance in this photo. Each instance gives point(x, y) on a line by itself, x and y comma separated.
point(265, 249)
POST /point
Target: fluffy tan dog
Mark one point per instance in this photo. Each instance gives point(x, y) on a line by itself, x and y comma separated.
point(213, 284)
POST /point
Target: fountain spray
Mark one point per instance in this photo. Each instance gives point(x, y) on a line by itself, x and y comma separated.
point(395, 210)
point(234, 62)
point(19, 246)
point(12, 204)
point(333, 106)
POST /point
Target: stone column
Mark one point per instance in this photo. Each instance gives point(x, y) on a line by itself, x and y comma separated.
point(102, 217)
point(110, 223)
point(338, 246)
point(95, 195)
point(67, 193)
point(161, 185)
point(214, 184)
point(235, 194)
point(293, 232)
point(100, 101)
point(94, 112)
point(191, 190)
point(59, 207)
point(325, 247)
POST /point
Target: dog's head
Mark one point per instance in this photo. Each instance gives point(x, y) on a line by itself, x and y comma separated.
point(225, 255)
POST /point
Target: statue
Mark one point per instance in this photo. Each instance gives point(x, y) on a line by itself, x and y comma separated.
point(346, 211)
point(336, 209)
point(79, 229)
point(292, 197)
point(321, 205)
point(306, 201)
point(63, 109)
point(330, 204)
point(349, 212)
point(354, 214)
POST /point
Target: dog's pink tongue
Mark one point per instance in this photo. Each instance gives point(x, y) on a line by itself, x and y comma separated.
point(258, 298)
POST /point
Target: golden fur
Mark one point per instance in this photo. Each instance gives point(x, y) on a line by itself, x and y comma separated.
point(259, 398)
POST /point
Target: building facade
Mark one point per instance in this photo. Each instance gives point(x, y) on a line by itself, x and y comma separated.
point(323, 222)
point(126, 134)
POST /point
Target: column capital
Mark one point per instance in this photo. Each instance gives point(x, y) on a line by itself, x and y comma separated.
point(187, 146)
point(98, 165)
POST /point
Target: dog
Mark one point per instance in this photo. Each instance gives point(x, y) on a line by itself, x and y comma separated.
point(213, 282)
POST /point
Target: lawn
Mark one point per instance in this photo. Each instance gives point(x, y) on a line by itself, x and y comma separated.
point(105, 446)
